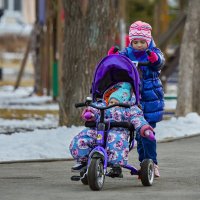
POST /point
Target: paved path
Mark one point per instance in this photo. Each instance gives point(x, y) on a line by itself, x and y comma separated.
point(179, 167)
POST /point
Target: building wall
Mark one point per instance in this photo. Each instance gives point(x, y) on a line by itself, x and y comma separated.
point(28, 10)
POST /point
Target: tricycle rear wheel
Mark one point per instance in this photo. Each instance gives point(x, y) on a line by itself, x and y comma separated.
point(147, 172)
point(84, 179)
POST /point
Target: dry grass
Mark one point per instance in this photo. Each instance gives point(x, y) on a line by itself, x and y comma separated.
point(13, 43)
point(24, 114)
point(24, 83)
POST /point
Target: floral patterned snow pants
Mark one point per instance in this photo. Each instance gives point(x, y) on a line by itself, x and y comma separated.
point(117, 145)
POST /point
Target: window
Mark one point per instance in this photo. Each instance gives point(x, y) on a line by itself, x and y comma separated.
point(15, 5)
point(5, 4)
point(18, 5)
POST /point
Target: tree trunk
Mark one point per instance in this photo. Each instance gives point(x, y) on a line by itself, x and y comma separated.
point(89, 24)
point(189, 63)
point(37, 42)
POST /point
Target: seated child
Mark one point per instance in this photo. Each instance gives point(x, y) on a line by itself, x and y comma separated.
point(117, 144)
point(119, 96)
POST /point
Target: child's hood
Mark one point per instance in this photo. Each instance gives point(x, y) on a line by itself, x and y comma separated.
point(123, 85)
point(121, 95)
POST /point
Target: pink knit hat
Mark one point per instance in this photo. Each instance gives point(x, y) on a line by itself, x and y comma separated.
point(140, 30)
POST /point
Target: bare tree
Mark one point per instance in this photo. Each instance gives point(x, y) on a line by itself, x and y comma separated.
point(89, 25)
point(189, 64)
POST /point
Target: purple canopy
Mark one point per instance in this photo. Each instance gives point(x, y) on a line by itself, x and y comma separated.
point(111, 70)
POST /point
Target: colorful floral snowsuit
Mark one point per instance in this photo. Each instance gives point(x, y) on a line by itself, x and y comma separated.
point(117, 144)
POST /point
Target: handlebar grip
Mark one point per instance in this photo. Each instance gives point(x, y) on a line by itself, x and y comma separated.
point(77, 105)
point(148, 51)
point(116, 49)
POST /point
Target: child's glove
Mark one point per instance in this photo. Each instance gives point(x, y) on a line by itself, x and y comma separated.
point(88, 115)
point(113, 50)
point(149, 134)
point(152, 57)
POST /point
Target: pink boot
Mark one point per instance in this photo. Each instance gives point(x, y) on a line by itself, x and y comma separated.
point(156, 171)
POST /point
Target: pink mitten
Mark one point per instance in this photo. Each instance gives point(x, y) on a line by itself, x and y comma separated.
point(113, 50)
point(87, 115)
point(149, 134)
point(153, 57)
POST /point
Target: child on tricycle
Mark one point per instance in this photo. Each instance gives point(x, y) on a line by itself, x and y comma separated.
point(111, 119)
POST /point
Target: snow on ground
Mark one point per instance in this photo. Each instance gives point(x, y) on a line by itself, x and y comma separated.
point(39, 144)
point(49, 121)
point(53, 143)
point(21, 99)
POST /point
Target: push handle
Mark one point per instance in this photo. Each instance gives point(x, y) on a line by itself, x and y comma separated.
point(116, 49)
point(78, 105)
point(86, 103)
point(148, 51)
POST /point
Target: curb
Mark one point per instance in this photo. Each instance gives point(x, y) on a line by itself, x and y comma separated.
point(71, 159)
point(37, 160)
point(178, 138)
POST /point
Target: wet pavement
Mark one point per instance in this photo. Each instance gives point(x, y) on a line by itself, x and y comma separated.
point(179, 167)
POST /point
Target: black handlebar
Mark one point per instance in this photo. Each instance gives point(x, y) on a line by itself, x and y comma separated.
point(116, 49)
point(148, 51)
point(147, 63)
point(77, 105)
point(144, 63)
point(111, 106)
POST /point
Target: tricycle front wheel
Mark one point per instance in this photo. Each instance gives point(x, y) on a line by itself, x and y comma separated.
point(96, 176)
